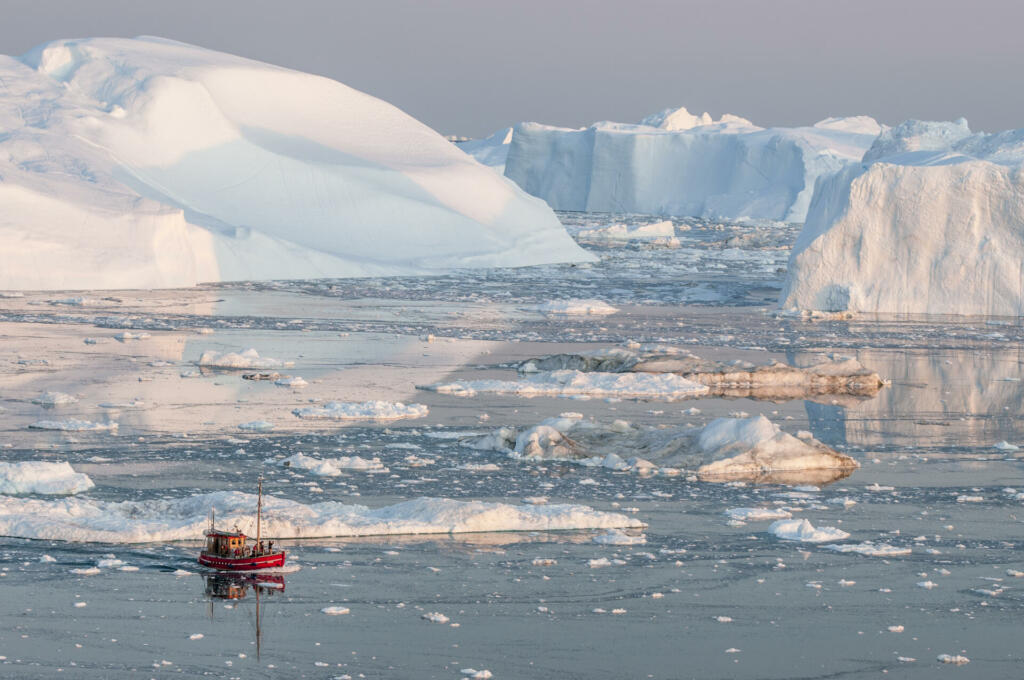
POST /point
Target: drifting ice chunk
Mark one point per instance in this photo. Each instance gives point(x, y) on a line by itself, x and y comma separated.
point(331, 467)
point(54, 399)
point(575, 308)
point(745, 448)
point(569, 383)
point(42, 478)
point(367, 410)
point(249, 358)
point(72, 425)
point(803, 531)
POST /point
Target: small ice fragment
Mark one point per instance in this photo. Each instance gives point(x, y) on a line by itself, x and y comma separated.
point(475, 674)
point(335, 611)
point(1006, 446)
point(895, 629)
point(195, 636)
point(927, 584)
point(435, 617)
point(723, 619)
point(80, 604)
point(956, 660)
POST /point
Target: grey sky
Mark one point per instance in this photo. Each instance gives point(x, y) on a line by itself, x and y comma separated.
point(469, 67)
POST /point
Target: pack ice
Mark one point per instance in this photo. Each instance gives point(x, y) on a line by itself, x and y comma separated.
point(676, 163)
point(931, 221)
point(140, 163)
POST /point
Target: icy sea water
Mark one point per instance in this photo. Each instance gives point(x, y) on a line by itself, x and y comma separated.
point(701, 598)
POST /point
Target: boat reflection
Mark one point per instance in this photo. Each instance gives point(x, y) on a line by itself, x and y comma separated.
point(224, 586)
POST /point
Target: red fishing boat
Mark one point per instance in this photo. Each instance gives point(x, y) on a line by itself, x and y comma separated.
point(231, 551)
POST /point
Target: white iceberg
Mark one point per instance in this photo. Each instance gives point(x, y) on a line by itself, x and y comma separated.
point(677, 164)
point(41, 477)
point(364, 410)
point(928, 223)
point(79, 519)
point(490, 151)
point(142, 163)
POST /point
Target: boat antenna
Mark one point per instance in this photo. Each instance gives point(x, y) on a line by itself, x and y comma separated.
point(259, 507)
point(213, 516)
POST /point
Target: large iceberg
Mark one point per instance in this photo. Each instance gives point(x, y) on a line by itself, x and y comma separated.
point(676, 163)
point(136, 163)
point(931, 221)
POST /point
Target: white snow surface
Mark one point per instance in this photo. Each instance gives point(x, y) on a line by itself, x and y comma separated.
point(897, 232)
point(365, 410)
point(80, 519)
point(144, 163)
point(674, 163)
point(40, 477)
point(571, 383)
point(490, 151)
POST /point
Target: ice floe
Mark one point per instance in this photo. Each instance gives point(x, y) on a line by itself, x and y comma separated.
point(73, 425)
point(248, 358)
point(575, 308)
point(331, 467)
point(365, 410)
point(803, 531)
point(81, 519)
point(870, 549)
point(39, 477)
point(818, 375)
point(656, 234)
point(727, 449)
point(572, 383)
point(55, 399)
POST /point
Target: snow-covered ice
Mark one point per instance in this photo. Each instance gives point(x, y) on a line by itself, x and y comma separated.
point(73, 425)
point(571, 383)
point(576, 308)
point(805, 532)
point(692, 166)
point(365, 410)
point(39, 477)
point(331, 467)
point(55, 399)
point(248, 358)
point(141, 163)
point(80, 519)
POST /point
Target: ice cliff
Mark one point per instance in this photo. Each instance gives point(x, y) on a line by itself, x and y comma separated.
point(676, 163)
point(137, 163)
point(931, 221)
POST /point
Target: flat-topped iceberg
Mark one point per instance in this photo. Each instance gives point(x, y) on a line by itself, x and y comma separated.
point(139, 163)
point(675, 163)
point(78, 519)
point(932, 221)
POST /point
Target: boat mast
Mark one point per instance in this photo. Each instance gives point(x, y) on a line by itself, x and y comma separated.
point(259, 508)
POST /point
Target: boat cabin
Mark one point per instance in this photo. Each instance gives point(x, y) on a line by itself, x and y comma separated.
point(225, 543)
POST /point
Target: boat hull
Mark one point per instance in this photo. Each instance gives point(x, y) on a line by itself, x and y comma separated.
point(271, 561)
